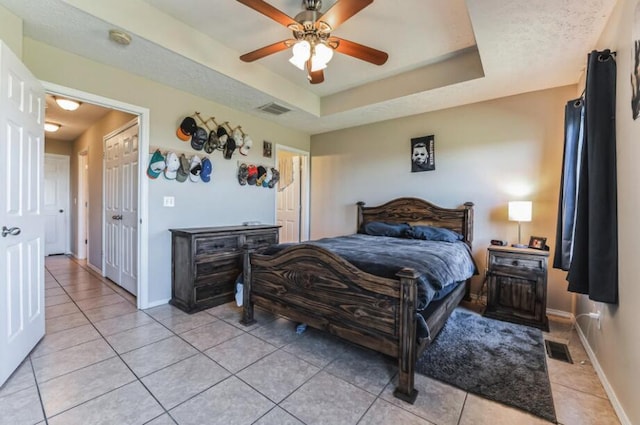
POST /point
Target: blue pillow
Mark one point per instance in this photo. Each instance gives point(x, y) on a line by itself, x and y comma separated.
point(379, 228)
point(430, 233)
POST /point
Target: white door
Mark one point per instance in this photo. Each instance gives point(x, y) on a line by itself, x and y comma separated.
point(22, 237)
point(288, 197)
point(121, 207)
point(56, 204)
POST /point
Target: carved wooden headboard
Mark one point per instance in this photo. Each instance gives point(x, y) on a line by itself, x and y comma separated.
point(418, 211)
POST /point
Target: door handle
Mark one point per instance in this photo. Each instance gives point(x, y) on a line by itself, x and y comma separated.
point(61, 211)
point(116, 217)
point(14, 231)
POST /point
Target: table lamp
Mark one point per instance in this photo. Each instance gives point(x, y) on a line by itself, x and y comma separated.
point(519, 211)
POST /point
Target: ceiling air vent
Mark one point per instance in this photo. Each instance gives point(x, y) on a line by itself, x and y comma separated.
point(274, 108)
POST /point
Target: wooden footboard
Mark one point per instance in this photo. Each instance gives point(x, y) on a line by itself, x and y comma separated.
point(309, 284)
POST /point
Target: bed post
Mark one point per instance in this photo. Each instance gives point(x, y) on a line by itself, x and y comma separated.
point(360, 216)
point(247, 304)
point(407, 355)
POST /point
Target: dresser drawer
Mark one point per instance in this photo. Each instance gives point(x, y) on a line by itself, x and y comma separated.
point(259, 240)
point(212, 266)
point(205, 294)
point(209, 245)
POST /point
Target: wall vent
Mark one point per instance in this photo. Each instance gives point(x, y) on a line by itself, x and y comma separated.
point(274, 109)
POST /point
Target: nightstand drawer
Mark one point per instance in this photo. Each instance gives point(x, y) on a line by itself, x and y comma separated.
point(517, 261)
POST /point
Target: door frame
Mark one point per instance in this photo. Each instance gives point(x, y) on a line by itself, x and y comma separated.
point(67, 203)
point(142, 298)
point(304, 188)
point(82, 211)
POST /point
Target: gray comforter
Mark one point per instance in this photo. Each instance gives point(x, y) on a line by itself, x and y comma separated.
point(440, 264)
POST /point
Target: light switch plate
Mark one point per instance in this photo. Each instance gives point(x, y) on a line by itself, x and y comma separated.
point(169, 201)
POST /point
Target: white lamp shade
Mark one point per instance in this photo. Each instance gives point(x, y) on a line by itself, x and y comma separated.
point(301, 52)
point(520, 210)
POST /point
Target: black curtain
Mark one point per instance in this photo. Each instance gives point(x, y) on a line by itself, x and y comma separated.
point(587, 236)
point(573, 138)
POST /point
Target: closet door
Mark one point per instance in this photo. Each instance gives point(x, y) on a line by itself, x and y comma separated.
point(121, 207)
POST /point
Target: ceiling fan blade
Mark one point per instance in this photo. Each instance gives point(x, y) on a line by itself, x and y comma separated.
point(341, 11)
point(316, 77)
point(271, 12)
point(359, 51)
point(266, 50)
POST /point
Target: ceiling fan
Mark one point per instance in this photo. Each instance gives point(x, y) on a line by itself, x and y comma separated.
point(312, 43)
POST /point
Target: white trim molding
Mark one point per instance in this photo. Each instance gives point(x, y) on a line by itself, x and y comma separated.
point(613, 398)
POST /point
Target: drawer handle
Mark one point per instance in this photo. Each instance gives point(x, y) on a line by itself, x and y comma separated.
point(218, 246)
point(515, 263)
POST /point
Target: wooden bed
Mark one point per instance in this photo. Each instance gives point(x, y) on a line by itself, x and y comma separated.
point(309, 284)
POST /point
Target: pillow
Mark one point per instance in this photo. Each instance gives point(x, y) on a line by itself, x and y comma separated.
point(380, 228)
point(431, 233)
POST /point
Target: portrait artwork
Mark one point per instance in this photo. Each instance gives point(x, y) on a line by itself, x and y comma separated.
point(635, 63)
point(423, 154)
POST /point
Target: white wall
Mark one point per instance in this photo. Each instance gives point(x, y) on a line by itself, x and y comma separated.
point(221, 202)
point(487, 153)
point(617, 344)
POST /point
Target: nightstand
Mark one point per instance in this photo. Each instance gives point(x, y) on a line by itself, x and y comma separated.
point(517, 285)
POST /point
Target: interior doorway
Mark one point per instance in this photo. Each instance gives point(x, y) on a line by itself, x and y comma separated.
point(292, 194)
point(82, 210)
point(87, 205)
point(56, 204)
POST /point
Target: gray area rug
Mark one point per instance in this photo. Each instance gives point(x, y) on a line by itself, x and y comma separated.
point(501, 361)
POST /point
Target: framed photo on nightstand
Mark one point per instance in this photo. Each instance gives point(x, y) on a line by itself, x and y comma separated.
point(537, 242)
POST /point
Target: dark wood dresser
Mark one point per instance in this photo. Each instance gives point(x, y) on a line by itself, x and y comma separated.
point(517, 285)
point(206, 261)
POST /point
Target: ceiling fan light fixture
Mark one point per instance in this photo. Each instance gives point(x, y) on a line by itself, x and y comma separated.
point(301, 53)
point(67, 104)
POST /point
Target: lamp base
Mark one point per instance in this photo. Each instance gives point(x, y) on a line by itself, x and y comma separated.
point(519, 245)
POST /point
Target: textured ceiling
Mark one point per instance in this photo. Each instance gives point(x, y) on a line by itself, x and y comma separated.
point(441, 53)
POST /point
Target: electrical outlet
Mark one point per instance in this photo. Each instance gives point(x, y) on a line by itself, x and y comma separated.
point(169, 201)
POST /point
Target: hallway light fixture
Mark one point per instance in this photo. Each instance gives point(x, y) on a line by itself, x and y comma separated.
point(51, 127)
point(67, 104)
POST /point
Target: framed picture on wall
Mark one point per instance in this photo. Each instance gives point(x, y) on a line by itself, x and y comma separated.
point(423, 154)
point(266, 149)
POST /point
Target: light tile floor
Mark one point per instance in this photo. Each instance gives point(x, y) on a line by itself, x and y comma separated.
point(104, 362)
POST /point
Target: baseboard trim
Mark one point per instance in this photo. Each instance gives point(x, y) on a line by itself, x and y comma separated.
point(560, 313)
point(157, 303)
point(622, 416)
point(94, 268)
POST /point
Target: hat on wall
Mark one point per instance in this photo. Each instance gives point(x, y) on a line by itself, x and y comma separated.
point(212, 142)
point(229, 147)
point(246, 145)
point(182, 135)
point(195, 167)
point(275, 178)
point(173, 163)
point(267, 179)
point(252, 171)
point(207, 168)
point(243, 174)
point(183, 170)
point(262, 174)
point(156, 165)
point(199, 138)
point(188, 126)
